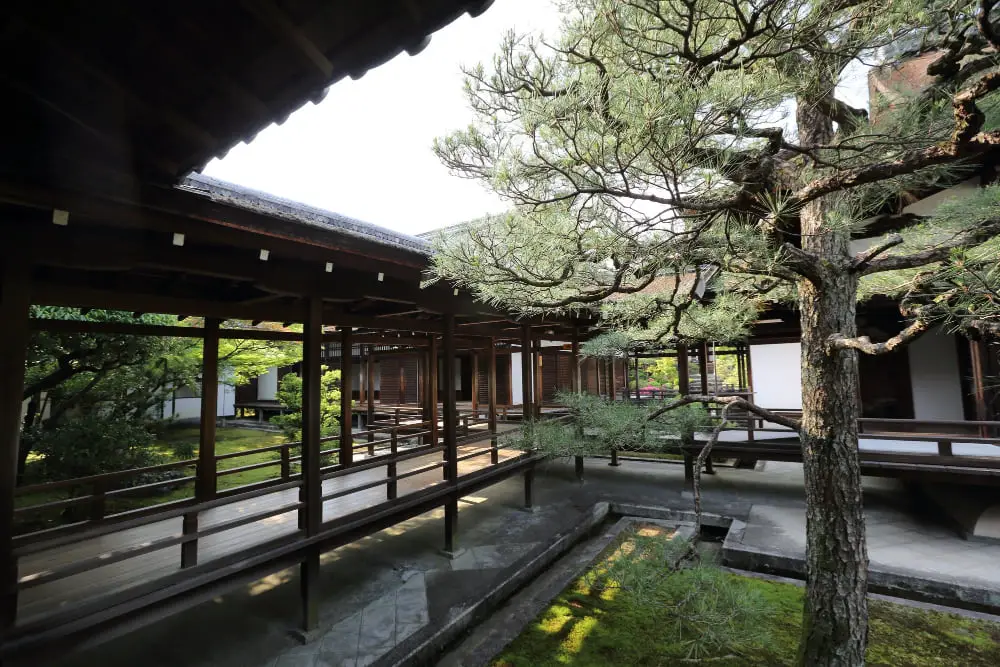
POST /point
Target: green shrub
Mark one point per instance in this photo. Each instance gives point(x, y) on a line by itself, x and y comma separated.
point(91, 444)
point(709, 611)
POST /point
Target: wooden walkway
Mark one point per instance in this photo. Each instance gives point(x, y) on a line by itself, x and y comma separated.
point(48, 597)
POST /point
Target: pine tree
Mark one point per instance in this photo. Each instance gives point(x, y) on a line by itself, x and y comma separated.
point(653, 144)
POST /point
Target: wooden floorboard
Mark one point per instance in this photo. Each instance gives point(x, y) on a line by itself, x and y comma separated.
point(52, 596)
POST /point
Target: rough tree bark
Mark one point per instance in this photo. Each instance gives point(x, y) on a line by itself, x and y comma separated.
point(835, 618)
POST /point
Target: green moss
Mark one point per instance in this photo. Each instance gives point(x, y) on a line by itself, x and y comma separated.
point(587, 626)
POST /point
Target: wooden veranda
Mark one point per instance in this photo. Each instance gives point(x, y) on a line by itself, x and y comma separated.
point(109, 108)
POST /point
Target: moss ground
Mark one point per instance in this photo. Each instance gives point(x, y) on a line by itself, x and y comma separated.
point(590, 627)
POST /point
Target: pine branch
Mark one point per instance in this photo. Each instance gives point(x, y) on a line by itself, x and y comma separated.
point(864, 344)
point(735, 401)
point(969, 237)
point(863, 259)
point(699, 463)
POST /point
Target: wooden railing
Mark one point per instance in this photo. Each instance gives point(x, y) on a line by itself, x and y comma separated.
point(96, 491)
point(388, 444)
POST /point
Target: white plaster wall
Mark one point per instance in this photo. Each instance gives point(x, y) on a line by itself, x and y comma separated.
point(226, 402)
point(190, 407)
point(777, 375)
point(517, 396)
point(182, 408)
point(267, 385)
point(935, 378)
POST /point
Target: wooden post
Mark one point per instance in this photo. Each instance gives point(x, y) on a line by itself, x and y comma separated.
point(614, 459)
point(577, 371)
point(370, 390)
point(450, 442)
point(206, 482)
point(526, 367)
point(638, 392)
point(346, 388)
point(683, 372)
point(391, 467)
point(613, 380)
point(978, 362)
point(450, 409)
point(206, 485)
point(311, 491)
point(432, 377)
point(15, 302)
point(539, 391)
point(703, 366)
point(578, 465)
point(491, 393)
point(475, 384)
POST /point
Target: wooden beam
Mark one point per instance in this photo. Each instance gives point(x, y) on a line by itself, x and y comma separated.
point(128, 328)
point(15, 303)
point(346, 402)
point(311, 491)
point(89, 247)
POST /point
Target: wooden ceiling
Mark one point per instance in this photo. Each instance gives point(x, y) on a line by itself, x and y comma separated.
point(103, 96)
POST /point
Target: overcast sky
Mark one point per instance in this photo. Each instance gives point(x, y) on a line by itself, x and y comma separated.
point(365, 150)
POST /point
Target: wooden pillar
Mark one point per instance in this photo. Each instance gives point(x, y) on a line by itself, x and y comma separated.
point(346, 404)
point(539, 391)
point(15, 302)
point(450, 409)
point(526, 384)
point(450, 442)
point(748, 370)
point(491, 393)
point(432, 377)
point(577, 371)
point(683, 372)
point(977, 355)
point(206, 485)
point(475, 384)
point(311, 491)
point(613, 380)
point(638, 392)
point(703, 366)
point(206, 481)
point(370, 392)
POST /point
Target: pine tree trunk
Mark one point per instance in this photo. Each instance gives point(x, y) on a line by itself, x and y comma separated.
point(835, 618)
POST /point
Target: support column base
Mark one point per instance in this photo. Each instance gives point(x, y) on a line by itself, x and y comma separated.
point(452, 555)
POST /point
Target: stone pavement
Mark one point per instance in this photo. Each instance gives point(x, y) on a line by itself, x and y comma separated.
point(900, 540)
point(395, 584)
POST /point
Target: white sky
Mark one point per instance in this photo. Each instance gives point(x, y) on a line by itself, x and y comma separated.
point(365, 150)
